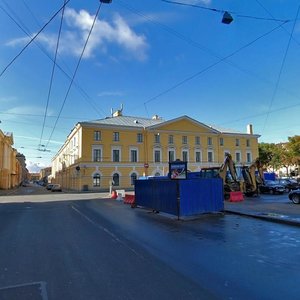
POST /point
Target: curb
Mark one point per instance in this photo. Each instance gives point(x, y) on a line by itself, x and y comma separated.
point(270, 217)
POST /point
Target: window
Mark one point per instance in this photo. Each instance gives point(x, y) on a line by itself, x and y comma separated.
point(197, 140)
point(238, 157)
point(184, 139)
point(97, 135)
point(248, 143)
point(221, 141)
point(237, 142)
point(209, 141)
point(171, 139)
point(139, 137)
point(116, 179)
point(116, 136)
point(133, 155)
point(185, 155)
point(249, 158)
point(157, 138)
point(198, 156)
point(133, 178)
point(171, 155)
point(156, 155)
point(97, 155)
point(116, 155)
point(210, 156)
point(96, 180)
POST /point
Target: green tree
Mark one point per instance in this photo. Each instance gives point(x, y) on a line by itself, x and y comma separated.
point(266, 153)
point(293, 147)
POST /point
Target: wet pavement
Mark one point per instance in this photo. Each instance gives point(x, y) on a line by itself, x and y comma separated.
point(275, 208)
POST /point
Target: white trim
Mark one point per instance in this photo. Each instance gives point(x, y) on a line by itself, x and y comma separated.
point(157, 149)
point(213, 155)
point(131, 148)
point(201, 155)
point(251, 159)
point(171, 149)
point(97, 147)
point(188, 154)
point(120, 153)
point(240, 153)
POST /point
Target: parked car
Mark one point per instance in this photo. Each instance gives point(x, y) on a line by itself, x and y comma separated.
point(295, 196)
point(289, 184)
point(56, 188)
point(49, 186)
point(271, 187)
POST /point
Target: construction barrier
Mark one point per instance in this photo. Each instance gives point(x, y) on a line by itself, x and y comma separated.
point(114, 195)
point(129, 199)
point(236, 196)
point(119, 197)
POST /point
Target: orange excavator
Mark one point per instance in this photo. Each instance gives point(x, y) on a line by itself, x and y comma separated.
point(231, 184)
point(253, 178)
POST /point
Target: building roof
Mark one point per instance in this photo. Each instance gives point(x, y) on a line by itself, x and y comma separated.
point(126, 121)
point(225, 130)
point(141, 122)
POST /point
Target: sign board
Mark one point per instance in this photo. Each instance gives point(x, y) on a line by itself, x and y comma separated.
point(178, 170)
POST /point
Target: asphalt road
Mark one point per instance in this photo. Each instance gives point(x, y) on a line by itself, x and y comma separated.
point(103, 249)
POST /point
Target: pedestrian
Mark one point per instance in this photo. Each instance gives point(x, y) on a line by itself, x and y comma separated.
point(111, 184)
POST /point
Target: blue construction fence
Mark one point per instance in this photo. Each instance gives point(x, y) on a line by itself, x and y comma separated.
point(187, 197)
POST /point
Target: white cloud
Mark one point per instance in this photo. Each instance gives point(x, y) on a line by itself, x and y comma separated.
point(34, 167)
point(76, 29)
point(119, 32)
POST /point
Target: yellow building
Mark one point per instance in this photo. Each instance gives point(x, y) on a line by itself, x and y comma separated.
point(10, 167)
point(123, 148)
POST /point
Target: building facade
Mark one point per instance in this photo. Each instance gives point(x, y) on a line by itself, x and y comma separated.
point(119, 149)
point(10, 166)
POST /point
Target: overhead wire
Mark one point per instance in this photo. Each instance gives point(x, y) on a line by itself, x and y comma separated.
point(75, 72)
point(32, 39)
point(31, 13)
point(223, 11)
point(280, 71)
point(210, 66)
point(195, 44)
point(52, 72)
point(270, 14)
point(24, 29)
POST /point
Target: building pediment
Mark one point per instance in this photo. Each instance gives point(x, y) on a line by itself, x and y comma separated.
point(185, 124)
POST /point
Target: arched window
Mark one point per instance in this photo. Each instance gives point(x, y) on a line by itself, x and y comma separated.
point(116, 179)
point(133, 177)
point(157, 174)
point(96, 179)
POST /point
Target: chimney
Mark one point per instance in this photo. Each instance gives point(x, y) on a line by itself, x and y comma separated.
point(249, 129)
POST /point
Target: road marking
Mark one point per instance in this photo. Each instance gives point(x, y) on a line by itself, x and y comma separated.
point(112, 235)
point(41, 285)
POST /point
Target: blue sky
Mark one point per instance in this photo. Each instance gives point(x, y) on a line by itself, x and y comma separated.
point(154, 57)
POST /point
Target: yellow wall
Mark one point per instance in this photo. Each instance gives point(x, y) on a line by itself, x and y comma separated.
point(9, 165)
point(78, 150)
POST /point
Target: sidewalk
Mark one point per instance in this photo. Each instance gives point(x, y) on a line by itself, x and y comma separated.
point(282, 212)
